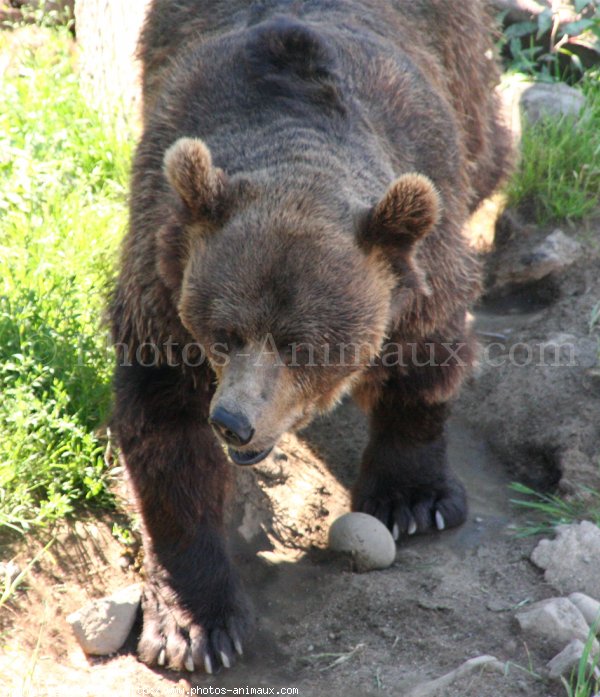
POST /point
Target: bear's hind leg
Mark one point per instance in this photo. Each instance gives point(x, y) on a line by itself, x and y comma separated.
point(195, 615)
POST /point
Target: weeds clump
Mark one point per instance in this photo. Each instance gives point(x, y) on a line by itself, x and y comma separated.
point(63, 176)
point(551, 510)
point(585, 677)
point(558, 177)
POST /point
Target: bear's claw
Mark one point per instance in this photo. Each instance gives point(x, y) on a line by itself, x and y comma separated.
point(412, 526)
point(208, 668)
point(162, 658)
point(408, 514)
point(189, 662)
point(440, 523)
point(170, 638)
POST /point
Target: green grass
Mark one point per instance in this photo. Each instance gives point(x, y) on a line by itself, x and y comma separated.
point(558, 177)
point(550, 510)
point(63, 178)
point(585, 679)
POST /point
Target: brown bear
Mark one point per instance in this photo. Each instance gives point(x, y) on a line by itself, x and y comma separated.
point(297, 200)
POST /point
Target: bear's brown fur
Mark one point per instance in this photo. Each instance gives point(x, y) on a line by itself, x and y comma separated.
point(297, 202)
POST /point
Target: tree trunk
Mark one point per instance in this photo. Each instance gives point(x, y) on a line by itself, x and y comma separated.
point(107, 33)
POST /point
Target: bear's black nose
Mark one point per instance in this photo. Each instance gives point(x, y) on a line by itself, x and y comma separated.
point(234, 429)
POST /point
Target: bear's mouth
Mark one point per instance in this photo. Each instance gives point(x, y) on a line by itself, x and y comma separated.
point(248, 457)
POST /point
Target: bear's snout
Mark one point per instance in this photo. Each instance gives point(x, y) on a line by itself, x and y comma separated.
point(233, 428)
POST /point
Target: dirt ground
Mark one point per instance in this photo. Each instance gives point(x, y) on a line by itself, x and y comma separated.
point(447, 598)
point(323, 629)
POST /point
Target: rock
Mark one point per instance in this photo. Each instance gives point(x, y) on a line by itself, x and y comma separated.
point(568, 659)
point(572, 560)
point(577, 467)
point(102, 626)
point(588, 607)
point(556, 620)
point(537, 100)
point(554, 254)
point(440, 685)
point(366, 538)
point(555, 99)
point(10, 570)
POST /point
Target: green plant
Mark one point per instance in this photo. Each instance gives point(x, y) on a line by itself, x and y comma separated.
point(536, 47)
point(63, 177)
point(559, 170)
point(551, 510)
point(585, 679)
point(124, 534)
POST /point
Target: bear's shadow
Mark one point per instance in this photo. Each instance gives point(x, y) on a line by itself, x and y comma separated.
point(338, 439)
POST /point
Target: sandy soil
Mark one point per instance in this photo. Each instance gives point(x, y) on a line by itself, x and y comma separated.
point(322, 628)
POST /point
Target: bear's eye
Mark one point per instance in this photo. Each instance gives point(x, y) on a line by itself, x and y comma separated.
point(228, 340)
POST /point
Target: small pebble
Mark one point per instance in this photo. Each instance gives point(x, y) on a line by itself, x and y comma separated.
point(102, 626)
point(125, 561)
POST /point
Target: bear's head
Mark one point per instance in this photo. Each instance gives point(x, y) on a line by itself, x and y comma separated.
point(289, 307)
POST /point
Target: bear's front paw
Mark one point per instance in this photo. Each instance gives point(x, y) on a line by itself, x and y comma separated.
point(172, 638)
point(406, 511)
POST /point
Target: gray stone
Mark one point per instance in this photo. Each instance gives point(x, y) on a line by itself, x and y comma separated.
point(569, 659)
point(572, 560)
point(365, 538)
point(556, 621)
point(578, 467)
point(102, 626)
point(554, 254)
point(564, 662)
point(526, 100)
point(555, 99)
point(588, 607)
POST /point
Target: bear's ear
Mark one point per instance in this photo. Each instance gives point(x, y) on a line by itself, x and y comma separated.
point(409, 210)
point(189, 170)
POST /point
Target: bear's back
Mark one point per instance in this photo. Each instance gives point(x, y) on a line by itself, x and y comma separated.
point(379, 50)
